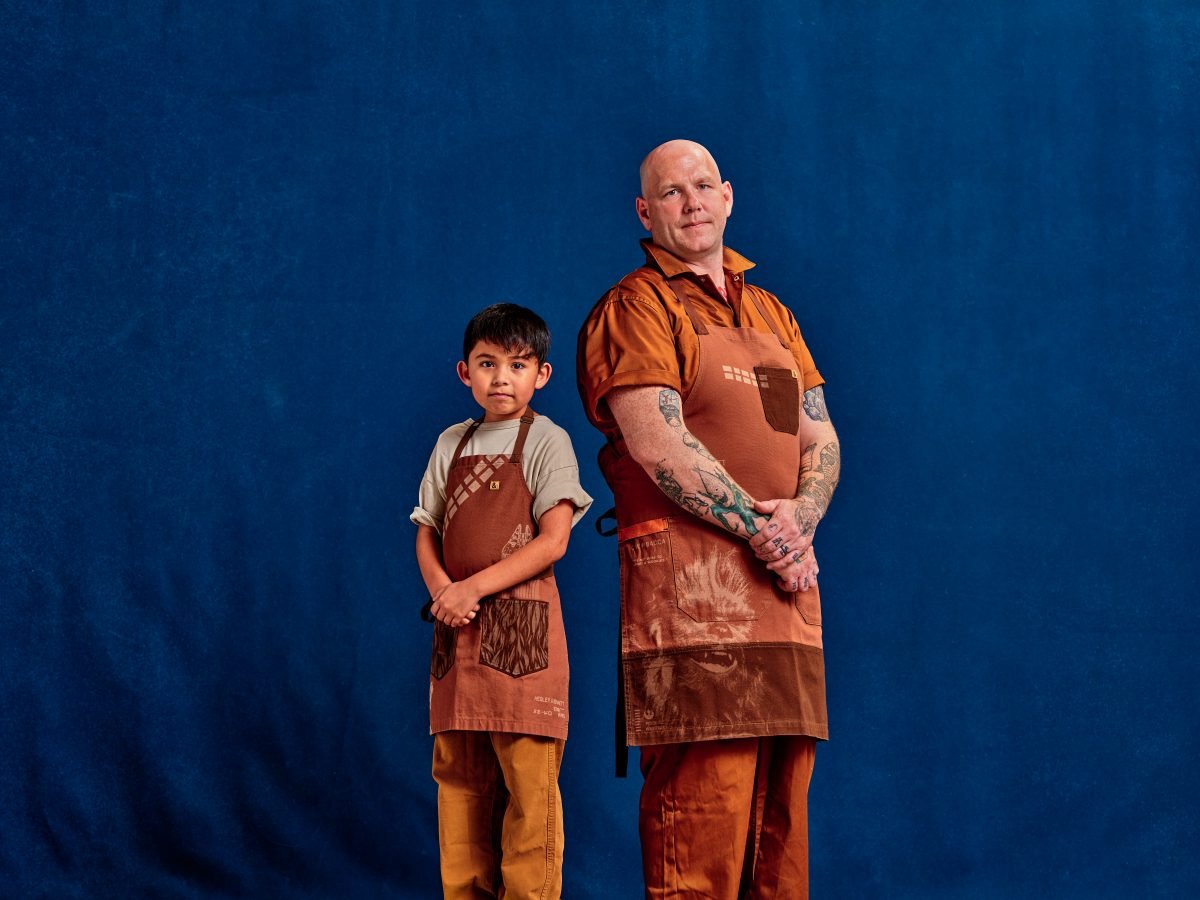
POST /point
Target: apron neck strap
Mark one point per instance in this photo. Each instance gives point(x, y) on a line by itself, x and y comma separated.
point(698, 324)
point(519, 446)
point(770, 323)
point(463, 443)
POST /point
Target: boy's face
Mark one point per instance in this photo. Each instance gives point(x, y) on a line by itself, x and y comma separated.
point(502, 381)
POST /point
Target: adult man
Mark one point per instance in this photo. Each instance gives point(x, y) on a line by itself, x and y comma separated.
point(722, 461)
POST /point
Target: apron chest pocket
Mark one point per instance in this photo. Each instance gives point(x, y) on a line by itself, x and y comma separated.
point(779, 390)
point(514, 636)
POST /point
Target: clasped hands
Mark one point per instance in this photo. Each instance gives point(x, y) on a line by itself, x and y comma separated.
point(455, 604)
point(783, 544)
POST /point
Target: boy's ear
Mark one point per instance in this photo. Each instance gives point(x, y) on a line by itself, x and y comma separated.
point(543, 376)
point(464, 374)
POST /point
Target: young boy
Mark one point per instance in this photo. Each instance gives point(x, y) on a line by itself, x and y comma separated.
point(497, 504)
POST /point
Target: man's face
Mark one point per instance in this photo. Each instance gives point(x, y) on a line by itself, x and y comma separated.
point(684, 203)
point(502, 381)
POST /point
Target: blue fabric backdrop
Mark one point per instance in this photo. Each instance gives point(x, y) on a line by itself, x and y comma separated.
point(239, 244)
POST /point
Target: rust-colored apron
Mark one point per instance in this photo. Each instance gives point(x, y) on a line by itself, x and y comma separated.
point(710, 646)
point(507, 670)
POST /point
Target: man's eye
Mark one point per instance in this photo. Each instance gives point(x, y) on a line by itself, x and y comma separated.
point(670, 192)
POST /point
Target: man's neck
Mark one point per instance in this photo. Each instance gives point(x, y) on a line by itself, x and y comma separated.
point(712, 266)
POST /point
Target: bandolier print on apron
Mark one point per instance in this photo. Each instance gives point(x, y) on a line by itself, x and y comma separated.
point(507, 670)
point(710, 646)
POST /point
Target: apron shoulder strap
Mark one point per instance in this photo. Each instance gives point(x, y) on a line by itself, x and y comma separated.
point(763, 312)
point(522, 434)
point(463, 443)
point(697, 323)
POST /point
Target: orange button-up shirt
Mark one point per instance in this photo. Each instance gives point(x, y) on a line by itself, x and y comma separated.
point(639, 333)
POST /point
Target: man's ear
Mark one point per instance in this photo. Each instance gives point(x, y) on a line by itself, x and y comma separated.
point(727, 191)
point(643, 211)
point(464, 374)
point(543, 376)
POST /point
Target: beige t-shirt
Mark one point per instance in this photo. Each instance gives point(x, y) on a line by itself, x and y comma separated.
point(548, 463)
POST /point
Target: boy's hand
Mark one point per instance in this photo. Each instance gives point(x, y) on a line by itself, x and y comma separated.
point(456, 604)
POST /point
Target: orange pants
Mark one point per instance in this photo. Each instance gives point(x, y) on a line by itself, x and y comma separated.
point(727, 819)
point(499, 815)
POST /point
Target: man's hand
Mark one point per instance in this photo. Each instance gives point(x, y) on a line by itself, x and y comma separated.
point(789, 531)
point(456, 604)
point(798, 572)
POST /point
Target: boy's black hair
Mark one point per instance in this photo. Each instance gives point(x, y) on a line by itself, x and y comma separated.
point(511, 327)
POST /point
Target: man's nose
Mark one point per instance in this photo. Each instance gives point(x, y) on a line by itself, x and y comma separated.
point(691, 202)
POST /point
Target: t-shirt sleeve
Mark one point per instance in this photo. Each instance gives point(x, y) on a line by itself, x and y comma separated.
point(626, 341)
point(556, 476)
point(431, 497)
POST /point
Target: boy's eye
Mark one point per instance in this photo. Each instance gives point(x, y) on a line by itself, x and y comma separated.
point(486, 364)
point(518, 365)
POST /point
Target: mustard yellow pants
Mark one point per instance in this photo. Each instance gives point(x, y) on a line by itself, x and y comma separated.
point(726, 820)
point(499, 815)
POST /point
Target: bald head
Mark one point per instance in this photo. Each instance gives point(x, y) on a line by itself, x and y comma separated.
point(666, 156)
point(684, 203)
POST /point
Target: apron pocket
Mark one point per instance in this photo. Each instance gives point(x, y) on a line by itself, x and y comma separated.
point(514, 636)
point(711, 583)
point(808, 604)
point(444, 640)
point(779, 390)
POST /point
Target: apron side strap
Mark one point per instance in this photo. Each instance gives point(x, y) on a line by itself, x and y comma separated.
point(608, 514)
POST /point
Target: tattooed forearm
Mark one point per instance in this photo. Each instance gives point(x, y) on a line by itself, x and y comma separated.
point(684, 470)
point(719, 498)
point(817, 485)
point(693, 443)
point(669, 485)
point(814, 404)
point(726, 499)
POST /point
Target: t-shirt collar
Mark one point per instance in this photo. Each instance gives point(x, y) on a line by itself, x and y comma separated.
point(671, 265)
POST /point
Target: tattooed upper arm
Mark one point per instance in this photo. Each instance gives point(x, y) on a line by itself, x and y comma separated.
point(671, 407)
point(814, 404)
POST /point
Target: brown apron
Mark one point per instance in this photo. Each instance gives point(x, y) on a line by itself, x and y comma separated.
point(507, 670)
point(710, 646)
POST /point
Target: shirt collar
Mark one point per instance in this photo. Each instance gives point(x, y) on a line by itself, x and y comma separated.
point(671, 265)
